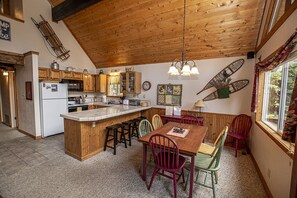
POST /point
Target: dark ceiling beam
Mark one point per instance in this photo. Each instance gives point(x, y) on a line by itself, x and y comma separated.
point(70, 7)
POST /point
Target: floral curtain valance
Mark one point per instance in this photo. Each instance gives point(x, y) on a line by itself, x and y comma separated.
point(272, 62)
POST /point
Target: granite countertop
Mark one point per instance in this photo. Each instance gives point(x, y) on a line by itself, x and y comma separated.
point(103, 113)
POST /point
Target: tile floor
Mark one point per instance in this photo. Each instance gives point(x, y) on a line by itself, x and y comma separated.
point(23, 152)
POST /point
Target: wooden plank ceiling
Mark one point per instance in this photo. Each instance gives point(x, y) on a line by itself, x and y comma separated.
point(132, 32)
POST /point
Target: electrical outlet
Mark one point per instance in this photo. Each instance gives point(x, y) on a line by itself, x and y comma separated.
point(143, 95)
point(268, 173)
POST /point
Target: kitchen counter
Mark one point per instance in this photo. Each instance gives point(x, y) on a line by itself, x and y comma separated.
point(85, 131)
point(92, 103)
point(103, 113)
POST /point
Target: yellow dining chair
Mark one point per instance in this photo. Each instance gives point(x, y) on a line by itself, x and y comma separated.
point(209, 149)
point(157, 121)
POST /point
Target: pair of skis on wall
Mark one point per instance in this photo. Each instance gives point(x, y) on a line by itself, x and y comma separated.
point(222, 76)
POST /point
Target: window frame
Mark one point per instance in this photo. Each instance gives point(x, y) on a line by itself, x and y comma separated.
point(274, 135)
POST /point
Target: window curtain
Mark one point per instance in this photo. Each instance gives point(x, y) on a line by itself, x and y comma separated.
point(272, 62)
point(289, 132)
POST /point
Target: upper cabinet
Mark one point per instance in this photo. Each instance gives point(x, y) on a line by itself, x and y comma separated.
point(130, 82)
point(89, 83)
point(43, 73)
point(66, 75)
point(101, 83)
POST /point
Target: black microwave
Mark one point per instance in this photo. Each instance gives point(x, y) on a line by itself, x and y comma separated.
point(74, 85)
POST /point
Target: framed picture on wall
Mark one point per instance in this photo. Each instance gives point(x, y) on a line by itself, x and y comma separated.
point(169, 94)
point(28, 90)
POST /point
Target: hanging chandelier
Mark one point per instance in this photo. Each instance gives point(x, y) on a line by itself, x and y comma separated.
point(182, 67)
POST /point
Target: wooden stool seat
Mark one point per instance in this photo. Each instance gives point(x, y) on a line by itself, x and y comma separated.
point(112, 131)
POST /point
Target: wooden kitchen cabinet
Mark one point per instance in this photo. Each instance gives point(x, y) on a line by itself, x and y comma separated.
point(54, 75)
point(89, 83)
point(66, 75)
point(101, 83)
point(130, 83)
point(43, 73)
point(77, 76)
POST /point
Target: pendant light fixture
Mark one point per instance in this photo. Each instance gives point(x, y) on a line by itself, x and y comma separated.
point(182, 67)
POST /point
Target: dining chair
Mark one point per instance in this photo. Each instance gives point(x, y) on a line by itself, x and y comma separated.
point(144, 127)
point(190, 119)
point(209, 149)
point(157, 121)
point(239, 130)
point(209, 165)
point(166, 159)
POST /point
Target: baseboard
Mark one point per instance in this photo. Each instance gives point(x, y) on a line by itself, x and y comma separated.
point(267, 190)
point(30, 135)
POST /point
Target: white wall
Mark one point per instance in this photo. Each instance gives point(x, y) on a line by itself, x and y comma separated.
point(237, 103)
point(26, 37)
point(266, 153)
point(26, 114)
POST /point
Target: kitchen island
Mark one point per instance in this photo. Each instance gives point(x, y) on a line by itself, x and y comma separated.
point(85, 131)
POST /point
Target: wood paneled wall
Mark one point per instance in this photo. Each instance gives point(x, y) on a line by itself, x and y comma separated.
point(214, 121)
point(131, 32)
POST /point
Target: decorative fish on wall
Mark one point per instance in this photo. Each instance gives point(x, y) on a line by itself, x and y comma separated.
point(223, 74)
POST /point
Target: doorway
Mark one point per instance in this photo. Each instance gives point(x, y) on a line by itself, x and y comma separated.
point(8, 97)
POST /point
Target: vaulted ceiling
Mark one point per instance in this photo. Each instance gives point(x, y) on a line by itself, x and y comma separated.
point(132, 32)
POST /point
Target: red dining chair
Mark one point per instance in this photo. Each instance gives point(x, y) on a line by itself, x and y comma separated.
point(166, 159)
point(240, 128)
point(189, 119)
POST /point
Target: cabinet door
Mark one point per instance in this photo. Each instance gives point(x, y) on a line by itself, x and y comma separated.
point(77, 75)
point(43, 73)
point(89, 83)
point(55, 74)
point(137, 83)
point(123, 82)
point(92, 83)
point(100, 83)
point(66, 75)
point(86, 82)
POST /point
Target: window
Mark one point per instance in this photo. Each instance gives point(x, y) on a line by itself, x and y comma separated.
point(278, 87)
point(12, 9)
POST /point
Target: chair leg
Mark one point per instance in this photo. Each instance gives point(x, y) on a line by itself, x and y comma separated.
point(236, 147)
point(174, 184)
point(123, 138)
point(212, 184)
point(197, 176)
point(115, 141)
point(129, 134)
point(183, 175)
point(216, 176)
point(187, 180)
point(153, 176)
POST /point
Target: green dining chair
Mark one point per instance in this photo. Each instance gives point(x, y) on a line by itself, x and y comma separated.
point(144, 127)
point(209, 164)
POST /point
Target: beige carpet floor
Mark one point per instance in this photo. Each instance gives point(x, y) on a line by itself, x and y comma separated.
point(51, 173)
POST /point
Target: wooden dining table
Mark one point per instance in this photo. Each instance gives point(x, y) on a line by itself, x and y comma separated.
point(188, 145)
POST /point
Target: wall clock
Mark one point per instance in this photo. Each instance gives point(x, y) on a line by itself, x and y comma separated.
point(146, 85)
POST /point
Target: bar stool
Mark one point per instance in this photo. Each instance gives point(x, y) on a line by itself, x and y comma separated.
point(127, 128)
point(136, 121)
point(112, 131)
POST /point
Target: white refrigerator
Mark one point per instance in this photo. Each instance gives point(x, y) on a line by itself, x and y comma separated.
point(53, 102)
